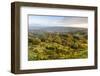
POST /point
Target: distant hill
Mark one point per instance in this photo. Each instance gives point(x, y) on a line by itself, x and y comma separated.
point(57, 29)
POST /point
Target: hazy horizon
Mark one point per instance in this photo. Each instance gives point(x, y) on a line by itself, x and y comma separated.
point(56, 21)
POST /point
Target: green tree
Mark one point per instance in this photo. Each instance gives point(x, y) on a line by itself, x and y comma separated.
point(57, 38)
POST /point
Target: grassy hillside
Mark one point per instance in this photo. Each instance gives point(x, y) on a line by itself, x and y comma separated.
point(57, 45)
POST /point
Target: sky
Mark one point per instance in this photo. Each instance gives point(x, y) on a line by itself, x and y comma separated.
point(50, 21)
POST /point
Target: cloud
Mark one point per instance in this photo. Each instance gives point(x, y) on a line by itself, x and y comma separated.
point(66, 21)
point(74, 20)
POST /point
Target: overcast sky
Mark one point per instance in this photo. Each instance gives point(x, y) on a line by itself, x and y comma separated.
point(66, 21)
